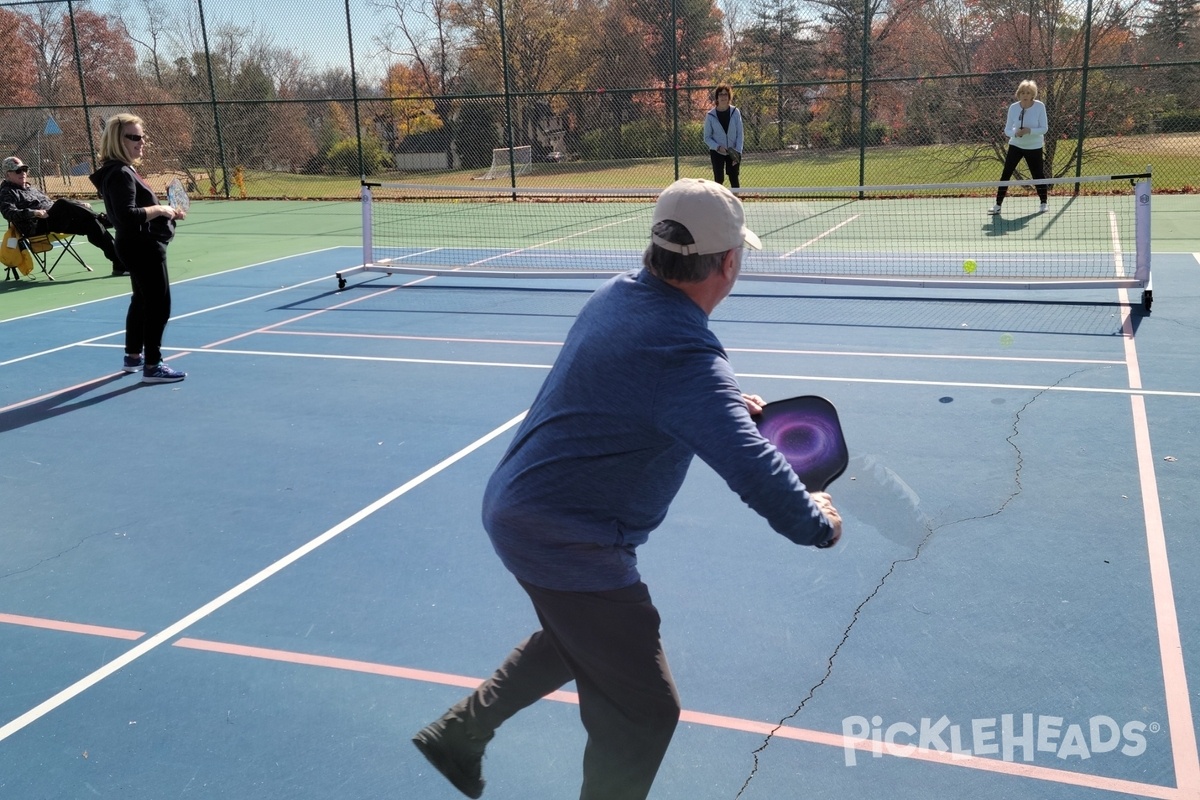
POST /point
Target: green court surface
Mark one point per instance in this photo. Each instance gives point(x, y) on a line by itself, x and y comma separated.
point(216, 236)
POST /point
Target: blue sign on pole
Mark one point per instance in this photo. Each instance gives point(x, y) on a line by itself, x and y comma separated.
point(52, 128)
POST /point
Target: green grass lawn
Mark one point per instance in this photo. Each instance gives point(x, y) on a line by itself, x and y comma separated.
point(1175, 160)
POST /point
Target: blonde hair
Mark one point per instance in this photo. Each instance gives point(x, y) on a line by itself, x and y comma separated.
point(111, 147)
point(1030, 85)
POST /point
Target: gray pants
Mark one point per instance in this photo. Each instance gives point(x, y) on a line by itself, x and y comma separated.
point(608, 643)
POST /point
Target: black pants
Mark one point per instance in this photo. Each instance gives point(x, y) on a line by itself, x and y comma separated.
point(150, 304)
point(67, 216)
point(1037, 170)
point(722, 163)
point(608, 642)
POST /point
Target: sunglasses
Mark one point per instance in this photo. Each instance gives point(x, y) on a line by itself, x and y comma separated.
point(136, 137)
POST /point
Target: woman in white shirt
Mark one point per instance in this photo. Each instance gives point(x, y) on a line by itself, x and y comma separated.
point(1026, 127)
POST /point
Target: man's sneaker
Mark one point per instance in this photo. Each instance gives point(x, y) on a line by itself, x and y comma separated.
point(1042, 209)
point(161, 373)
point(455, 753)
point(133, 363)
point(994, 209)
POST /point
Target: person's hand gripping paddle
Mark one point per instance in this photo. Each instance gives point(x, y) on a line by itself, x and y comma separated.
point(807, 432)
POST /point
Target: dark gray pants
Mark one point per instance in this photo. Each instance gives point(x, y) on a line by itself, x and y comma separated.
point(608, 642)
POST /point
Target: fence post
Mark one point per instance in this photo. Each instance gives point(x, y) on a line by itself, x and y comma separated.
point(212, 92)
point(862, 111)
point(362, 167)
point(675, 82)
point(87, 117)
point(1083, 82)
point(508, 131)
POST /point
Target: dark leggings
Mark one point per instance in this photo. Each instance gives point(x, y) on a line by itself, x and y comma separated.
point(150, 305)
point(722, 163)
point(68, 216)
point(1037, 170)
point(608, 642)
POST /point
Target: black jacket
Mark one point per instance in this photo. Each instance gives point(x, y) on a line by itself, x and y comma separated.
point(17, 205)
point(126, 196)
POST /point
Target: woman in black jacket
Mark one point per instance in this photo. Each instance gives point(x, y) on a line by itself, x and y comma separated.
point(143, 229)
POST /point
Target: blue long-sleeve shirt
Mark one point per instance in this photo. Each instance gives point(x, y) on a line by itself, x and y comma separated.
point(641, 385)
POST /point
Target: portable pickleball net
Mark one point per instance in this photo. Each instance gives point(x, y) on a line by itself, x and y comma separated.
point(1095, 233)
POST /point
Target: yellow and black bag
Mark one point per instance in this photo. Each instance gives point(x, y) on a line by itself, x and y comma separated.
point(13, 255)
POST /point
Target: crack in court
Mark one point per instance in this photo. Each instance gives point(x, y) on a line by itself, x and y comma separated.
point(930, 530)
point(57, 555)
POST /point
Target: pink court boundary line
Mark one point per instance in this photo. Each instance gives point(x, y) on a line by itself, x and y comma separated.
point(70, 627)
point(1170, 645)
point(711, 720)
point(809, 736)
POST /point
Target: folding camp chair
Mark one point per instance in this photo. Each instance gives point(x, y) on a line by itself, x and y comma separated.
point(41, 247)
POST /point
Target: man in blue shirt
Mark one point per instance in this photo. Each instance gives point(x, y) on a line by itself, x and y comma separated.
point(640, 387)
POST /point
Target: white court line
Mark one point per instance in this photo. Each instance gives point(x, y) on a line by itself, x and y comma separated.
point(179, 282)
point(183, 351)
point(771, 376)
point(82, 685)
point(820, 236)
point(409, 338)
point(554, 241)
point(181, 316)
point(969, 385)
point(762, 350)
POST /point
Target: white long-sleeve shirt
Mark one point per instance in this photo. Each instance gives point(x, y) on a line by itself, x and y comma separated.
point(1033, 118)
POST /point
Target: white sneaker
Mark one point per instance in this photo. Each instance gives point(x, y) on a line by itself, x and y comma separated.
point(994, 209)
point(1042, 209)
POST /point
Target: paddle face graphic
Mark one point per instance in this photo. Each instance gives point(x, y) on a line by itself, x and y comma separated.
point(807, 432)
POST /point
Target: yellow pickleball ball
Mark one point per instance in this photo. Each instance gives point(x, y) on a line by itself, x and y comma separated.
point(969, 266)
point(1006, 340)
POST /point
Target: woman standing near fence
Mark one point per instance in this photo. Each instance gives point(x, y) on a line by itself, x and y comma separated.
point(144, 228)
point(724, 136)
point(1026, 127)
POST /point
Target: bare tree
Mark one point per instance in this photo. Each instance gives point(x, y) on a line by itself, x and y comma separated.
point(153, 20)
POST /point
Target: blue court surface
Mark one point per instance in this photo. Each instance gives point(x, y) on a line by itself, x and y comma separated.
point(260, 582)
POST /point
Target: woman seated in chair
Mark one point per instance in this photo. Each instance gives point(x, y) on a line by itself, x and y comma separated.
point(32, 213)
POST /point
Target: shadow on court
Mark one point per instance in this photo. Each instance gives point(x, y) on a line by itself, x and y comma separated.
point(63, 403)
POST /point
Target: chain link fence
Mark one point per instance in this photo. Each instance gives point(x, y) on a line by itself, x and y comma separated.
point(259, 99)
